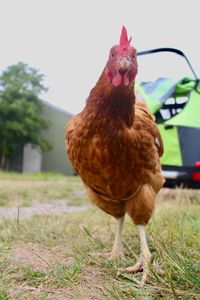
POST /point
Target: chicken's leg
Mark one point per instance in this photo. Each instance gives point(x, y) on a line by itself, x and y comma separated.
point(145, 256)
point(117, 249)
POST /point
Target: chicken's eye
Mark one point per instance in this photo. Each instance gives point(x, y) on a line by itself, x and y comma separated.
point(112, 55)
point(133, 56)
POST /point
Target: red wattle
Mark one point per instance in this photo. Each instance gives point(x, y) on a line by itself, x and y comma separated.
point(126, 79)
point(117, 79)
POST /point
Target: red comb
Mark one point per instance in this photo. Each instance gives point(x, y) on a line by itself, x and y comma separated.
point(124, 43)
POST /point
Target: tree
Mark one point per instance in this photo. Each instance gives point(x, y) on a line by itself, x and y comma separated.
point(21, 119)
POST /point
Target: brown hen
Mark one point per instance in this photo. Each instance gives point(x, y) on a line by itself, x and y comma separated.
point(114, 145)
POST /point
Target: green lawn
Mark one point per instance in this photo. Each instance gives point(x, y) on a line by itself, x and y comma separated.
point(23, 189)
point(52, 257)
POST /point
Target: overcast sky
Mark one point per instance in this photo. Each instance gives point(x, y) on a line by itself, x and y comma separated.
point(69, 41)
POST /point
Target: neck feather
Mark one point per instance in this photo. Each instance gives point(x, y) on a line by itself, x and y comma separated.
point(114, 103)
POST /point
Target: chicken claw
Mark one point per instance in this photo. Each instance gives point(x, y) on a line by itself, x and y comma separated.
point(109, 255)
point(117, 249)
point(141, 266)
point(114, 255)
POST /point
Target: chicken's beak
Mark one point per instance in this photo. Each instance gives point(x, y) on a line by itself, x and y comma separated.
point(123, 65)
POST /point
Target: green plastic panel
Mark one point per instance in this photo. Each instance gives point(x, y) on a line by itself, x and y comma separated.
point(190, 116)
point(172, 152)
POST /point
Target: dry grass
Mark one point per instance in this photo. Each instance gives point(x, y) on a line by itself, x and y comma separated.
point(21, 190)
point(49, 257)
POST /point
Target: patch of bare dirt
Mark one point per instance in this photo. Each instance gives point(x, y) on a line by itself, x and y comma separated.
point(39, 258)
point(26, 292)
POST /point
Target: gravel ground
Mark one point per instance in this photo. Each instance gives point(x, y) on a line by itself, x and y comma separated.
point(53, 207)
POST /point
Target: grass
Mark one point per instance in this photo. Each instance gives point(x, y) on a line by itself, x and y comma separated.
point(50, 257)
point(23, 189)
point(33, 176)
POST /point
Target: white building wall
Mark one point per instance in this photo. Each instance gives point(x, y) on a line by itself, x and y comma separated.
point(32, 158)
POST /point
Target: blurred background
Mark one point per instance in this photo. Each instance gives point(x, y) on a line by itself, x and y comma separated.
point(69, 41)
point(67, 44)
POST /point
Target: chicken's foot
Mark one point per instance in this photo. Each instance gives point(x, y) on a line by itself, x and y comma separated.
point(117, 249)
point(145, 257)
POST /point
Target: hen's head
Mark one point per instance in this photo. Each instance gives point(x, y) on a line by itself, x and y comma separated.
point(121, 67)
